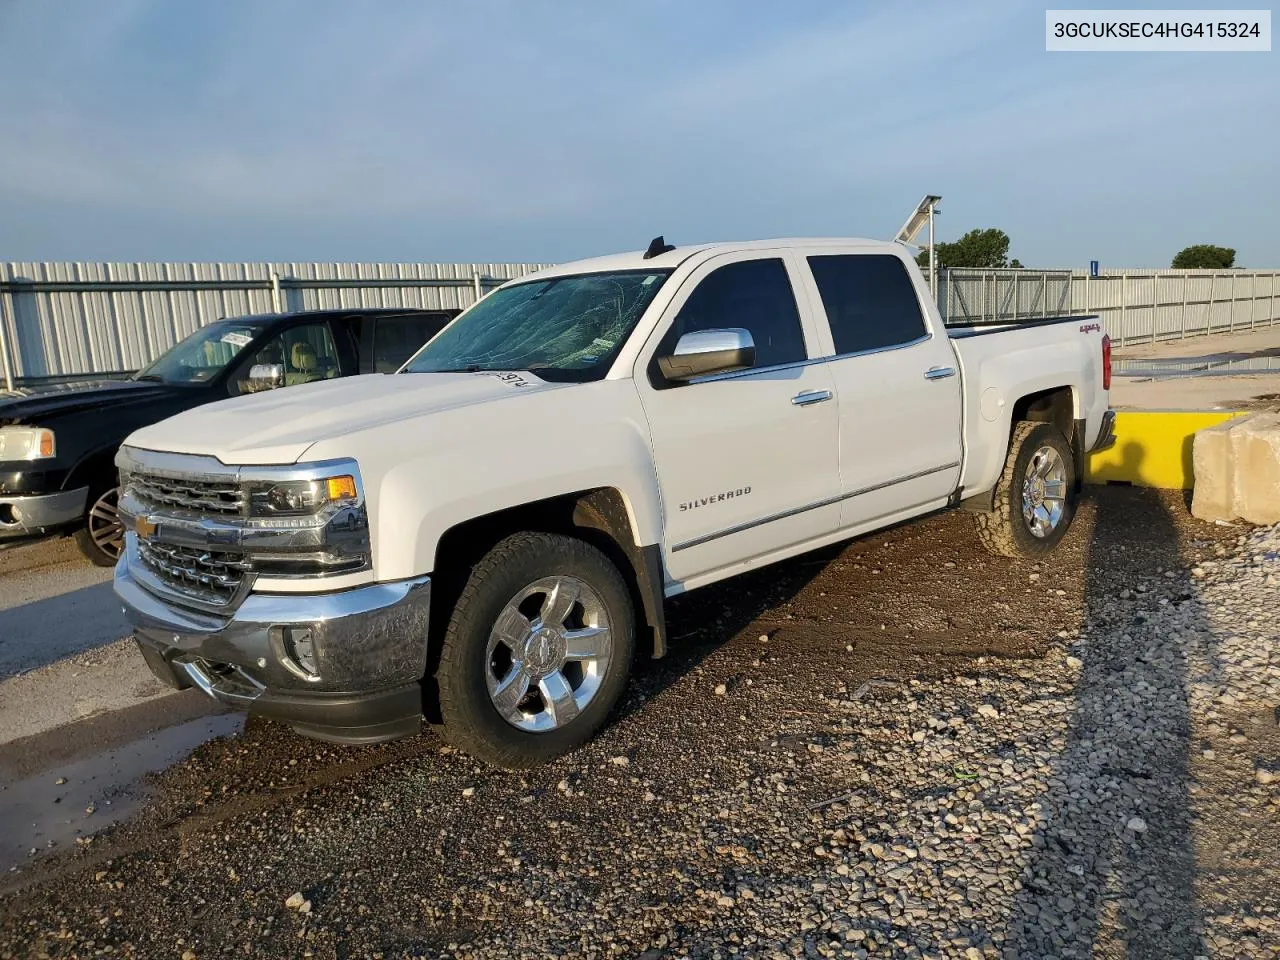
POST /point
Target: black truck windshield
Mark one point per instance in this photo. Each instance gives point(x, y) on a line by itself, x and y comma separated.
point(566, 328)
point(204, 354)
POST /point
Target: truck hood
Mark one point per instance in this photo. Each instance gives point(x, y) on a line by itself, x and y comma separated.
point(278, 426)
point(39, 404)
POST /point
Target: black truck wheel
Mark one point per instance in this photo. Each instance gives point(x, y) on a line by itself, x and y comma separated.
point(1035, 497)
point(537, 650)
point(102, 537)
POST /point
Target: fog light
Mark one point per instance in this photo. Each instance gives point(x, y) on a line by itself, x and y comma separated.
point(300, 648)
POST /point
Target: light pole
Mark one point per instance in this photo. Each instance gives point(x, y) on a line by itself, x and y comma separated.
point(921, 217)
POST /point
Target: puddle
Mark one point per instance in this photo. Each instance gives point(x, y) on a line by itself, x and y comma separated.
point(44, 814)
point(1216, 365)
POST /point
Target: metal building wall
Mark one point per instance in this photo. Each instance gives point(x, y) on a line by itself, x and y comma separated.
point(61, 319)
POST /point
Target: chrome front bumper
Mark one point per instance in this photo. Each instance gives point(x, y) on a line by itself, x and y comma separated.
point(30, 516)
point(360, 683)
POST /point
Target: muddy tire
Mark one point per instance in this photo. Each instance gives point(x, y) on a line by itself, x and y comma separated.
point(537, 650)
point(1035, 498)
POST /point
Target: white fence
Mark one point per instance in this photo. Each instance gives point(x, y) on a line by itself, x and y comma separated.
point(1136, 306)
point(67, 319)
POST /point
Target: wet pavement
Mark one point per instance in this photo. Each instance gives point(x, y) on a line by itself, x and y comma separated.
point(1240, 372)
point(70, 802)
point(1210, 365)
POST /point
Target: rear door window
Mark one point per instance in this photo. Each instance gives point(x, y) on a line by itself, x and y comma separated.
point(870, 301)
point(396, 339)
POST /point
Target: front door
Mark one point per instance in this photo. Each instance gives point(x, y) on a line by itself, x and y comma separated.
point(748, 462)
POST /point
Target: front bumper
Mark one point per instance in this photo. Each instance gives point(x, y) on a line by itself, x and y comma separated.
point(33, 515)
point(367, 654)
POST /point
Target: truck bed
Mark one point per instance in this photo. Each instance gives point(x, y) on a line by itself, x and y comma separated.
point(978, 328)
point(1063, 351)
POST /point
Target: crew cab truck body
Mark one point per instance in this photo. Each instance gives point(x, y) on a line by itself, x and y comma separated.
point(58, 444)
point(488, 535)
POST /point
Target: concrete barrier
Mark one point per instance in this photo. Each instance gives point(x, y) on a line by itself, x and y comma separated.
point(1237, 470)
point(1153, 448)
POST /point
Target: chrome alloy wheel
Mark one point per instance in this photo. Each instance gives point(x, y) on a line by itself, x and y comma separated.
point(1044, 492)
point(548, 653)
point(104, 524)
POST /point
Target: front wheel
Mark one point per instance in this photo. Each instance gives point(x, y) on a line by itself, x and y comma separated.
point(1035, 498)
point(537, 650)
point(102, 537)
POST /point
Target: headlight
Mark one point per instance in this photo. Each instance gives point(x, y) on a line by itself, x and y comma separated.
point(300, 498)
point(26, 443)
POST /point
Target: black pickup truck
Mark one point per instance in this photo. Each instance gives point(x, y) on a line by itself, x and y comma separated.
point(58, 444)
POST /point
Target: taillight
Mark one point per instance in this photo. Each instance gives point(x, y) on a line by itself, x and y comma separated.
point(1106, 362)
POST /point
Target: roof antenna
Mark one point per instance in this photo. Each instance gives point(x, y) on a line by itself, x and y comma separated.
point(657, 247)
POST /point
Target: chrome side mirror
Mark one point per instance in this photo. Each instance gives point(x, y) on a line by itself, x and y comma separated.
point(705, 352)
point(266, 376)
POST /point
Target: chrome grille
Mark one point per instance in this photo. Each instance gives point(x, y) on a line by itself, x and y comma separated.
point(211, 576)
point(187, 493)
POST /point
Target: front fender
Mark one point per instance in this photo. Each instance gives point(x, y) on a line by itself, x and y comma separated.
point(423, 477)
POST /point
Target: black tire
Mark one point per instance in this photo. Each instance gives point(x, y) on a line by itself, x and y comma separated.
point(470, 718)
point(90, 538)
point(1005, 530)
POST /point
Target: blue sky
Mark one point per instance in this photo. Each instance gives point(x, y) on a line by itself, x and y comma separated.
point(548, 129)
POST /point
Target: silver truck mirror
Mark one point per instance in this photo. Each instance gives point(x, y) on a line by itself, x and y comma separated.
point(705, 352)
point(266, 376)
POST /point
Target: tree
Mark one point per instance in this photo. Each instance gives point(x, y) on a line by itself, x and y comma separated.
point(977, 248)
point(1204, 256)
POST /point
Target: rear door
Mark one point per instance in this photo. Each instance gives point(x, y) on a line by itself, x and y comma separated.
point(897, 382)
point(397, 338)
point(747, 461)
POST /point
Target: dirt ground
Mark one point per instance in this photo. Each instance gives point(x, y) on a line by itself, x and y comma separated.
point(690, 799)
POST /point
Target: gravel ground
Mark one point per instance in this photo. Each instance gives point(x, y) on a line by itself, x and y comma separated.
point(905, 748)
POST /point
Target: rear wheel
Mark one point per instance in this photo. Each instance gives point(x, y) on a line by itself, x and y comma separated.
point(102, 537)
point(1035, 497)
point(537, 650)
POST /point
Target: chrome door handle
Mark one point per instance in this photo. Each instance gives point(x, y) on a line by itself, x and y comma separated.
point(810, 396)
point(939, 373)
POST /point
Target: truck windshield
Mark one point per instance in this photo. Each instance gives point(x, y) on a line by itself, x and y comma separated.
point(566, 328)
point(204, 354)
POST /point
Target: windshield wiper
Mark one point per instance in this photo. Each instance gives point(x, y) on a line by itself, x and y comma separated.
point(151, 377)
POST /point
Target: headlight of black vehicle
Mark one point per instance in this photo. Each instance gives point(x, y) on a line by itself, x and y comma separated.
point(27, 443)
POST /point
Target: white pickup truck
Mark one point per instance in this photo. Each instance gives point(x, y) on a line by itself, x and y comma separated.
point(487, 536)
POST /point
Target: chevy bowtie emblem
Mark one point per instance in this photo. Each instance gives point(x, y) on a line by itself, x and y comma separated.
point(144, 527)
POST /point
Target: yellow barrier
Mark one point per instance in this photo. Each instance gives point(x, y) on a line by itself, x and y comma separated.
point(1153, 448)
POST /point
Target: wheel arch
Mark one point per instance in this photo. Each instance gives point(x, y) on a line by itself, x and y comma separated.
point(93, 470)
point(599, 515)
point(1058, 405)
point(1061, 407)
